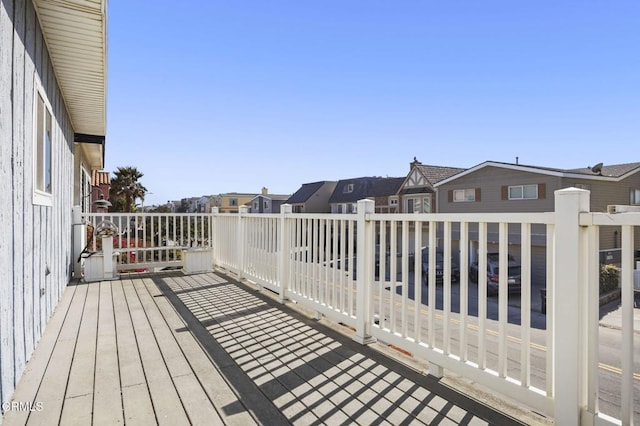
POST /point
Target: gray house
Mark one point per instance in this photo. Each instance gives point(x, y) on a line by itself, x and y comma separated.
point(52, 133)
point(312, 197)
point(505, 187)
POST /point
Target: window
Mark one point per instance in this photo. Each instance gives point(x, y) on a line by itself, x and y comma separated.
point(42, 151)
point(634, 197)
point(255, 205)
point(348, 188)
point(233, 202)
point(426, 205)
point(85, 191)
point(266, 204)
point(464, 195)
point(410, 208)
point(523, 192)
point(393, 201)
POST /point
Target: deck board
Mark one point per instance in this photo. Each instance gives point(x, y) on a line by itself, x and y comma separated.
point(107, 407)
point(32, 377)
point(55, 378)
point(203, 349)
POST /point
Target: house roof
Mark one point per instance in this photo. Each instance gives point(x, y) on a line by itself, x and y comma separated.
point(386, 187)
point(363, 187)
point(436, 174)
point(613, 172)
point(273, 197)
point(306, 191)
point(100, 177)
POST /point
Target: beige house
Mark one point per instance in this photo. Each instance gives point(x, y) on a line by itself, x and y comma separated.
point(417, 193)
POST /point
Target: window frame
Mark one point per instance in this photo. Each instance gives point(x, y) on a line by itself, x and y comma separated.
point(634, 196)
point(465, 197)
point(348, 188)
point(42, 149)
point(522, 189)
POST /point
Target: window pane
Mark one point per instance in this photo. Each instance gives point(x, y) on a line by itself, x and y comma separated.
point(515, 192)
point(39, 154)
point(47, 154)
point(531, 191)
point(458, 195)
point(427, 205)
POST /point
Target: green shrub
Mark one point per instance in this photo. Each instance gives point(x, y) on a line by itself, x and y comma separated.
point(609, 278)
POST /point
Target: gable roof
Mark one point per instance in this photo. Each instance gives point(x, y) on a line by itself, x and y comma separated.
point(363, 187)
point(613, 173)
point(436, 174)
point(306, 191)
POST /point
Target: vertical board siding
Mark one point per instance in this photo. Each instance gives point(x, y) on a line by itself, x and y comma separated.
point(6, 211)
point(36, 244)
point(18, 166)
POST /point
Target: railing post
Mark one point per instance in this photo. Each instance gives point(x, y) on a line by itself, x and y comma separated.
point(364, 272)
point(568, 307)
point(214, 236)
point(285, 251)
point(242, 211)
point(79, 240)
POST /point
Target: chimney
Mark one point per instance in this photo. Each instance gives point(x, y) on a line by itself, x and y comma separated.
point(265, 190)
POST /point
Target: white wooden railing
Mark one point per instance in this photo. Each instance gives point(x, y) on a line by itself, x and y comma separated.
point(365, 270)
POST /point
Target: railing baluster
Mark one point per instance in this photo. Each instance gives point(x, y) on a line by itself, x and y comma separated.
point(382, 274)
point(482, 295)
point(394, 275)
point(627, 334)
point(431, 283)
point(417, 282)
point(405, 278)
point(446, 287)
point(525, 308)
point(503, 297)
point(550, 323)
point(351, 269)
point(464, 288)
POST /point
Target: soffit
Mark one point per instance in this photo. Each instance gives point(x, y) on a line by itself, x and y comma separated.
point(75, 32)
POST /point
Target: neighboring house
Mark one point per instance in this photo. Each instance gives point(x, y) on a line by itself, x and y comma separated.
point(231, 201)
point(267, 203)
point(418, 193)
point(385, 195)
point(312, 197)
point(505, 187)
point(348, 192)
point(100, 186)
point(52, 137)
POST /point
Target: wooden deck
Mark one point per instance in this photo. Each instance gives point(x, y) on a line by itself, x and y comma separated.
point(203, 349)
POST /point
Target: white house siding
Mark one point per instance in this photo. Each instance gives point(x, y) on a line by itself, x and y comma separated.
point(35, 240)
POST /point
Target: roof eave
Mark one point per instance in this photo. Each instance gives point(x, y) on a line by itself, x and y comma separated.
point(81, 73)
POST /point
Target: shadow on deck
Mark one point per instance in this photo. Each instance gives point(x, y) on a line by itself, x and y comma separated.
point(205, 349)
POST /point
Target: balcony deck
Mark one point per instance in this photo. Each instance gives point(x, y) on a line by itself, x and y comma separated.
point(205, 349)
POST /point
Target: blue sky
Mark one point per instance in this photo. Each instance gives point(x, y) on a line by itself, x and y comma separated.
point(206, 97)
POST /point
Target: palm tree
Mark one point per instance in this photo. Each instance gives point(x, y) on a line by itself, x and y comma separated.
point(125, 188)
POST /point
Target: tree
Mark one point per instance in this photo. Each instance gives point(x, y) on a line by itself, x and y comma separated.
point(125, 188)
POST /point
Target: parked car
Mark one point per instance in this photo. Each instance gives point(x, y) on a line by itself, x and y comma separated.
point(493, 274)
point(455, 269)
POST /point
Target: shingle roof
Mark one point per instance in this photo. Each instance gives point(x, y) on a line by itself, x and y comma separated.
point(386, 187)
point(614, 170)
point(437, 173)
point(364, 187)
point(305, 192)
